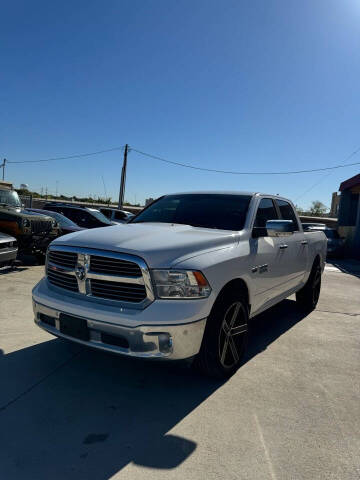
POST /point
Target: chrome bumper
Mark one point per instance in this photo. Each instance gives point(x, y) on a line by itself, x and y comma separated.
point(173, 342)
point(8, 255)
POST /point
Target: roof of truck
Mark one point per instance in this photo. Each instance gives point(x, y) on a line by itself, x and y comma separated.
point(215, 192)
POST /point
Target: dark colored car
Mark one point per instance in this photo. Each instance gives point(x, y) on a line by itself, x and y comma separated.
point(117, 216)
point(8, 250)
point(307, 226)
point(335, 244)
point(83, 216)
point(33, 232)
point(66, 225)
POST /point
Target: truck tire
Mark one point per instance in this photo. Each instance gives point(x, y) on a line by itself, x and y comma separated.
point(308, 297)
point(225, 337)
point(40, 258)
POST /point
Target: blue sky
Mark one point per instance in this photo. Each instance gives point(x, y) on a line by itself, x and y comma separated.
point(233, 84)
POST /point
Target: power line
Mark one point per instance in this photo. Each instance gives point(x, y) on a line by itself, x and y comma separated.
point(313, 186)
point(194, 167)
point(249, 173)
point(80, 155)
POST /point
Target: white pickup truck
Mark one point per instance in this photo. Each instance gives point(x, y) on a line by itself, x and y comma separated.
point(182, 279)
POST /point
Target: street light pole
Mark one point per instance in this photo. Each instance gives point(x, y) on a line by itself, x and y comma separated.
point(123, 179)
point(3, 167)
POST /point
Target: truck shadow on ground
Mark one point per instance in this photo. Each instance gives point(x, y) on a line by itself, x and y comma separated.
point(69, 412)
point(9, 270)
point(349, 266)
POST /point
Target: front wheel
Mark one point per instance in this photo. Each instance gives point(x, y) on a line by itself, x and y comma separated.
point(225, 337)
point(308, 297)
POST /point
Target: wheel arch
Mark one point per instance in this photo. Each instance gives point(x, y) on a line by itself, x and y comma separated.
point(316, 261)
point(239, 285)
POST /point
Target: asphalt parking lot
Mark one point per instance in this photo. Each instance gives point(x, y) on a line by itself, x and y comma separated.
point(292, 411)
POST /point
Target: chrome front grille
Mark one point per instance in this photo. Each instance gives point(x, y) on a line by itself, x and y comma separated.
point(114, 266)
point(63, 280)
point(118, 291)
point(100, 275)
point(63, 259)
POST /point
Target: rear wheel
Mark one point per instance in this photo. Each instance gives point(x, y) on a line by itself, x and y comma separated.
point(308, 297)
point(40, 257)
point(225, 337)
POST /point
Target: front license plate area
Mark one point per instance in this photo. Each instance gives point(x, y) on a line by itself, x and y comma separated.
point(74, 327)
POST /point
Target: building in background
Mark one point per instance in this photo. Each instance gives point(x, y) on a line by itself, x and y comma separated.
point(349, 214)
point(335, 202)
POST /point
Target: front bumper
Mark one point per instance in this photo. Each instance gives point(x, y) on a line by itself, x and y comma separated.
point(35, 242)
point(7, 256)
point(133, 333)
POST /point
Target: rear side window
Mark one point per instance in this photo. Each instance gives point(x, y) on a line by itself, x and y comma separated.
point(87, 219)
point(287, 212)
point(119, 216)
point(266, 211)
point(70, 213)
point(107, 213)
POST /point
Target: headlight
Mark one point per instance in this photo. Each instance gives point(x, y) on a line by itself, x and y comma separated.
point(53, 223)
point(26, 222)
point(180, 284)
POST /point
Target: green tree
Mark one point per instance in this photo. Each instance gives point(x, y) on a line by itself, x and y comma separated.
point(317, 208)
point(299, 210)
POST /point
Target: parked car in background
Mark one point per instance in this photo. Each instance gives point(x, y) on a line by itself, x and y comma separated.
point(182, 279)
point(32, 231)
point(66, 225)
point(116, 215)
point(306, 226)
point(85, 217)
point(335, 244)
point(8, 250)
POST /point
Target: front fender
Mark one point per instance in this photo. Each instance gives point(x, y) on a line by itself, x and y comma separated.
point(222, 266)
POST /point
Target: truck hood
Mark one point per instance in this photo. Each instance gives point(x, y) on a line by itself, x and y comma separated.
point(21, 213)
point(161, 245)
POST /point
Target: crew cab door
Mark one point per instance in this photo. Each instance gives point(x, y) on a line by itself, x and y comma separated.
point(293, 249)
point(264, 251)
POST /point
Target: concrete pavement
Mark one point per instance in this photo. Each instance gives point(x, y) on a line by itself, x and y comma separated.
point(292, 411)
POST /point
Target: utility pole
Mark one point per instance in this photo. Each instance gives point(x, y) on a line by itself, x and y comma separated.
point(57, 184)
point(3, 167)
point(123, 179)
point(102, 176)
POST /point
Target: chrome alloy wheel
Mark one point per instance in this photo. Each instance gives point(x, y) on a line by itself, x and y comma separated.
point(232, 335)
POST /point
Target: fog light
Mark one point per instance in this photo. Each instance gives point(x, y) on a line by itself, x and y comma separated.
point(165, 342)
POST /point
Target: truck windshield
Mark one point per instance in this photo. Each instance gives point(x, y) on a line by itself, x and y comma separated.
point(10, 197)
point(220, 211)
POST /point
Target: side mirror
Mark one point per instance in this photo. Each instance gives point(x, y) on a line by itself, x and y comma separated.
point(279, 228)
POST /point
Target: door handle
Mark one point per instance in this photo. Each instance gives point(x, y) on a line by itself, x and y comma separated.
point(304, 242)
point(283, 246)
